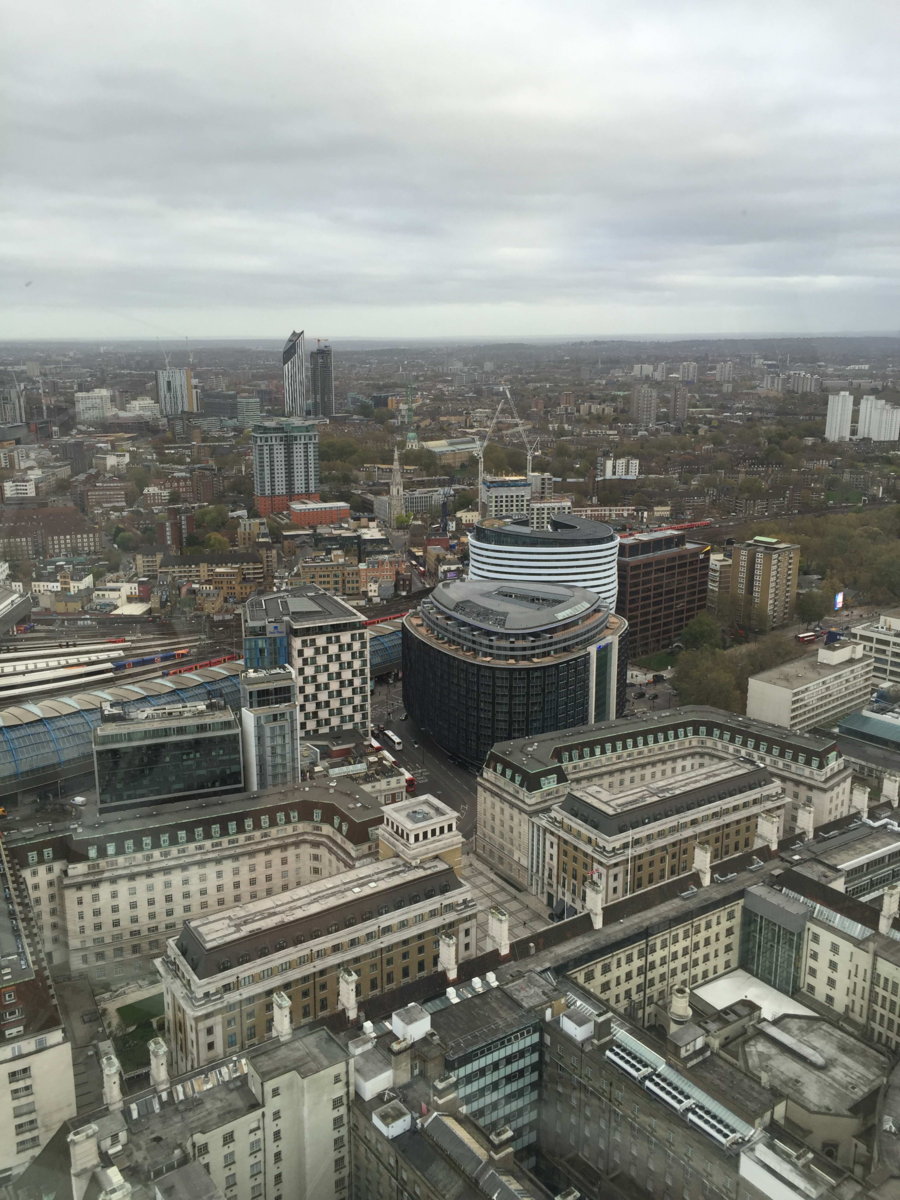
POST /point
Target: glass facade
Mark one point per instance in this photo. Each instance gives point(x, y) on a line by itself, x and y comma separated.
point(467, 706)
point(771, 951)
point(263, 653)
point(60, 739)
point(136, 764)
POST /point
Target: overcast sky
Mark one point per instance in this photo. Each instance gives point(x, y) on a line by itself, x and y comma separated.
point(386, 168)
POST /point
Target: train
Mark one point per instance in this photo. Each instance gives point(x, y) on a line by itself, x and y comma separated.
point(212, 662)
point(147, 660)
point(397, 616)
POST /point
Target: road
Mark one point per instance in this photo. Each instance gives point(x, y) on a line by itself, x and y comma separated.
point(434, 771)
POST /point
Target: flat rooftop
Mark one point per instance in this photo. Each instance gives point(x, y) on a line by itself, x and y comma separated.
point(614, 813)
point(481, 1019)
point(850, 847)
point(269, 913)
point(801, 672)
point(824, 1068)
point(513, 606)
point(547, 749)
point(727, 990)
point(204, 1100)
point(301, 604)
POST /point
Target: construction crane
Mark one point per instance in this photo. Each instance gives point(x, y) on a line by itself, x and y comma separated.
point(530, 450)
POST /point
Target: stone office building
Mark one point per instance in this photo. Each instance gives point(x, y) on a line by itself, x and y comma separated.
point(105, 899)
point(328, 946)
point(529, 776)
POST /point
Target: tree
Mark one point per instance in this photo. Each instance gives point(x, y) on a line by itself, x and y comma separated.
point(706, 677)
point(214, 517)
point(810, 606)
point(216, 542)
point(702, 632)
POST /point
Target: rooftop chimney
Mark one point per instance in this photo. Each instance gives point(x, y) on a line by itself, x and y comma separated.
point(281, 1017)
point(890, 903)
point(112, 1083)
point(159, 1065)
point(84, 1149)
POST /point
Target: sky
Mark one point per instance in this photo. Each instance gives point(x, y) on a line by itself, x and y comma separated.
point(403, 168)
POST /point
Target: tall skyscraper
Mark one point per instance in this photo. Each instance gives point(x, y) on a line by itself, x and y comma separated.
point(321, 377)
point(293, 364)
point(175, 392)
point(840, 416)
point(285, 464)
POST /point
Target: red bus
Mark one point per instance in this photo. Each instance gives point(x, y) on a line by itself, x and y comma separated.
point(806, 637)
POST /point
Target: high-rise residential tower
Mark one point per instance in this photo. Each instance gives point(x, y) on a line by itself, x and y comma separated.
point(285, 464)
point(678, 412)
point(321, 377)
point(293, 364)
point(175, 392)
point(840, 416)
point(878, 420)
point(765, 570)
point(93, 407)
point(644, 405)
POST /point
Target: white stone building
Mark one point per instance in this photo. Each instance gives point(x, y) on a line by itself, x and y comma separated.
point(527, 777)
point(814, 691)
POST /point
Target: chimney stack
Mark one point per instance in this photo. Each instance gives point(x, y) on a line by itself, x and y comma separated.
point(112, 1083)
point(159, 1066)
point(282, 1026)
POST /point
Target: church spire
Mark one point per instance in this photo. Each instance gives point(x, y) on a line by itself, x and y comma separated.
point(396, 476)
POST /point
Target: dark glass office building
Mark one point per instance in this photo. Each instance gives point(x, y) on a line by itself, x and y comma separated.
point(160, 754)
point(484, 662)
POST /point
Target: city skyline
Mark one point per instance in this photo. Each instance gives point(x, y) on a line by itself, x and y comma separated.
point(647, 170)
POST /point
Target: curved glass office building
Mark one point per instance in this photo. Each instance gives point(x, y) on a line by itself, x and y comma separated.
point(488, 661)
point(573, 550)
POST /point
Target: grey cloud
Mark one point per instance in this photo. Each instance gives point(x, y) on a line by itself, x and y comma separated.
point(409, 163)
